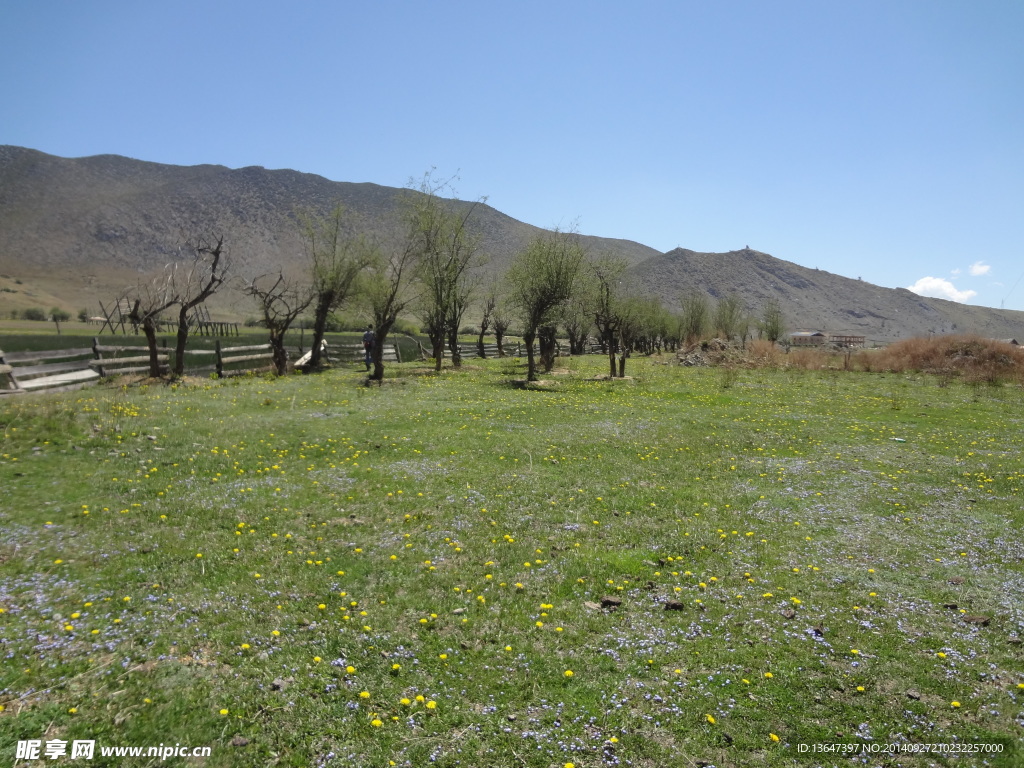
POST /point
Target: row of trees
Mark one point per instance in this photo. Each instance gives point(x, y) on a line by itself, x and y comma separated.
point(431, 269)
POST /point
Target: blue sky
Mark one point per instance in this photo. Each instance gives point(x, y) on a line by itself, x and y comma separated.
point(874, 139)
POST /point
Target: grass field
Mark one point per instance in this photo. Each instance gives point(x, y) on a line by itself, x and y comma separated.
point(694, 567)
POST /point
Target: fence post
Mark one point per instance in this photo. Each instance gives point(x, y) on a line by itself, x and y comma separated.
point(96, 353)
point(220, 361)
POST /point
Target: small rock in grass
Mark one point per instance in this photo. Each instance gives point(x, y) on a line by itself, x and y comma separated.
point(789, 613)
point(981, 621)
point(674, 605)
point(239, 741)
point(914, 695)
point(592, 605)
point(610, 602)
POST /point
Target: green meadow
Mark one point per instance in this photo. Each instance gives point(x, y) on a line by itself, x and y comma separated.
point(691, 567)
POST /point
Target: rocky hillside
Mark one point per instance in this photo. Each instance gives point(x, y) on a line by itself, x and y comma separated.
point(81, 230)
point(74, 232)
point(816, 300)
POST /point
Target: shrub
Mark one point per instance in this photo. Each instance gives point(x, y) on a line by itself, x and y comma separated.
point(972, 358)
point(764, 354)
point(33, 313)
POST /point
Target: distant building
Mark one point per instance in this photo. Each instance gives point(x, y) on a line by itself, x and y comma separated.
point(807, 338)
point(820, 338)
point(847, 340)
point(1012, 342)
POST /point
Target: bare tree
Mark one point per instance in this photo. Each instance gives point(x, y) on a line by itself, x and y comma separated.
point(194, 284)
point(386, 292)
point(281, 301)
point(542, 278)
point(148, 300)
point(336, 258)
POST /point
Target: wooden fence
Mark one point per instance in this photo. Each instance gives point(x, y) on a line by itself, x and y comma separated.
point(74, 368)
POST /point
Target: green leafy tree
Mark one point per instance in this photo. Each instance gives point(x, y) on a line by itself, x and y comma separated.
point(605, 283)
point(694, 317)
point(728, 316)
point(771, 324)
point(59, 316)
point(444, 252)
point(542, 279)
point(576, 319)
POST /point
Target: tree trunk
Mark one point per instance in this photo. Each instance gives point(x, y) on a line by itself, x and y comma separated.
point(181, 341)
point(149, 328)
point(323, 309)
point(608, 342)
point(531, 363)
point(280, 354)
point(499, 339)
point(453, 346)
point(622, 364)
point(377, 350)
point(480, 351)
point(548, 347)
point(437, 350)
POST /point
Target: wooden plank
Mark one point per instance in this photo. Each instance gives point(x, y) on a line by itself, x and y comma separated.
point(103, 349)
point(59, 380)
point(22, 371)
point(108, 372)
point(114, 362)
point(5, 369)
point(243, 358)
point(252, 348)
point(55, 354)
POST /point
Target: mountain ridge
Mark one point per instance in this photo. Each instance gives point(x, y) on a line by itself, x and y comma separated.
point(76, 231)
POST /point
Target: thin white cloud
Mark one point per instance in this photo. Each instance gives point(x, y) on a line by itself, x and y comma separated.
point(955, 272)
point(979, 268)
point(938, 288)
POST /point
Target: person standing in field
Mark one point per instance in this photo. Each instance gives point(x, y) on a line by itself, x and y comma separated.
point(368, 346)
